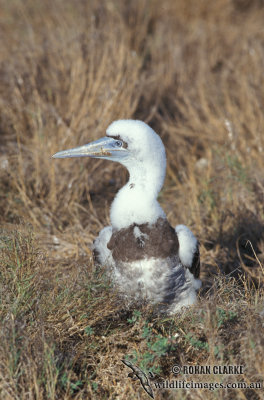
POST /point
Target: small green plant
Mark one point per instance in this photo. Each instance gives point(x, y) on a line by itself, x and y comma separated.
point(75, 386)
point(218, 350)
point(66, 383)
point(160, 346)
point(196, 343)
point(224, 316)
point(88, 330)
point(157, 346)
point(94, 386)
point(135, 317)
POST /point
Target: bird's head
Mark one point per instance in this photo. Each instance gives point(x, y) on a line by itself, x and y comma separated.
point(129, 142)
point(135, 145)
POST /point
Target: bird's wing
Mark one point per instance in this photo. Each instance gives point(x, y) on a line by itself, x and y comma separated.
point(100, 250)
point(189, 252)
point(195, 267)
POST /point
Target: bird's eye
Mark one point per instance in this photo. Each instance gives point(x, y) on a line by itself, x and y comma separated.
point(119, 143)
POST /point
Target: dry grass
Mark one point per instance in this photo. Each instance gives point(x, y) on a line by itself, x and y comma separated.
point(194, 71)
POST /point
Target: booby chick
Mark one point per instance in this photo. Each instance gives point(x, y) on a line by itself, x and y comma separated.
point(148, 259)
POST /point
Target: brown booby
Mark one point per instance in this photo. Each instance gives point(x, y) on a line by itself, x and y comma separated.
point(148, 259)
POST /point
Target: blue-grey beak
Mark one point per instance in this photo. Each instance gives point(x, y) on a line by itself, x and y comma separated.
point(106, 147)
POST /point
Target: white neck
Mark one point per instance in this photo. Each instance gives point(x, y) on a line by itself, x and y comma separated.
point(137, 201)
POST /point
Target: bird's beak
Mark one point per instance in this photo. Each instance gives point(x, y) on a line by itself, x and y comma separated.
point(105, 147)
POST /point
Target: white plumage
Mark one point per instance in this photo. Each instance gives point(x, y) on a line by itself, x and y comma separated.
point(146, 165)
point(147, 258)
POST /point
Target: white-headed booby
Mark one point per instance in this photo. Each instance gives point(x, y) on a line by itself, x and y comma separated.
point(149, 259)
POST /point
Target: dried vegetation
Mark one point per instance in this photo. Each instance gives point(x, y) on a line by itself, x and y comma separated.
point(194, 71)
